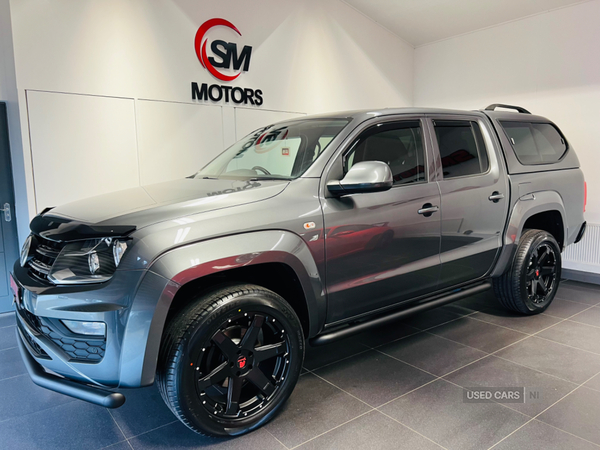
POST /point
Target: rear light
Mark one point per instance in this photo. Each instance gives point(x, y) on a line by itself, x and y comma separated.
point(584, 195)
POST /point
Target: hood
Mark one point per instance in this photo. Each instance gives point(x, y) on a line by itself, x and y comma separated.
point(139, 207)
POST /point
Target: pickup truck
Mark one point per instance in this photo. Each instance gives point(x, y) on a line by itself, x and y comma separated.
point(311, 229)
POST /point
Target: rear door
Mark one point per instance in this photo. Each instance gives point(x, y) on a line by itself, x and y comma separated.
point(382, 248)
point(475, 196)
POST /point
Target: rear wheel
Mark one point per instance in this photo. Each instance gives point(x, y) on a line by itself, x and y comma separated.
point(530, 283)
point(230, 360)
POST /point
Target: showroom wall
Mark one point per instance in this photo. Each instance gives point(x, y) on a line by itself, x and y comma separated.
point(548, 64)
point(105, 87)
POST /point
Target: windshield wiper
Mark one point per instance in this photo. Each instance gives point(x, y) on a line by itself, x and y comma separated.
point(269, 178)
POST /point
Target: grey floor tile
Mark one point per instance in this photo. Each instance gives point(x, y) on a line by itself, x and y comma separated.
point(539, 436)
point(144, 410)
point(21, 397)
point(387, 333)
point(563, 308)
point(555, 359)
point(7, 319)
point(589, 317)
point(120, 446)
point(373, 377)
point(574, 334)
point(314, 407)
point(578, 413)
point(479, 302)
point(438, 412)
point(76, 425)
point(320, 356)
point(516, 321)
point(580, 284)
point(495, 372)
point(11, 363)
point(594, 383)
point(371, 431)
point(177, 436)
point(432, 353)
point(574, 294)
point(477, 334)
point(434, 317)
point(8, 338)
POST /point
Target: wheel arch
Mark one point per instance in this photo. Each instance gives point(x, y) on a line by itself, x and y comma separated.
point(203, 265)
point(531, 211)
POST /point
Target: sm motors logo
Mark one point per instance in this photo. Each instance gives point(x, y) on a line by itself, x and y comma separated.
point(227, 52)
point(226, 64)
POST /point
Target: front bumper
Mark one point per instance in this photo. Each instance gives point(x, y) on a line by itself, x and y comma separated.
point(126, 304)
point(39, 376)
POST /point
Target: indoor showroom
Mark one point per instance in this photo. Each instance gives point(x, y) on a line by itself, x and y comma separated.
point(300, 224)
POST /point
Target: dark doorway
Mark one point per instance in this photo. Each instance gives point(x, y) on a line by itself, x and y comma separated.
point(8, 226)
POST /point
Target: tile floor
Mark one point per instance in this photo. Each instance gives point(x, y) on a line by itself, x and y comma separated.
point(400, 387)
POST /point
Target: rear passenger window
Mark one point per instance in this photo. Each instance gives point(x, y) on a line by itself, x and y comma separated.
point(535, 143)
point(461, 147)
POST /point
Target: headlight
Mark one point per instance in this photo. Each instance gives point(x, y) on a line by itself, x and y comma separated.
point(25, 251)
point(91, 261)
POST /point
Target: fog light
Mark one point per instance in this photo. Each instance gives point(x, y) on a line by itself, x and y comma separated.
point(94, 262)
point(88, 328)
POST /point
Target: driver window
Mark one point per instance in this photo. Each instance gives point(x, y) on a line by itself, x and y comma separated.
point(399, 145)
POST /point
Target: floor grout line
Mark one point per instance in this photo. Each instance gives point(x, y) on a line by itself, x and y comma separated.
point(337, 426)
point(275, 437)
point(117, 424)
point(414, 431)
point(543, 411)
point(153, 429)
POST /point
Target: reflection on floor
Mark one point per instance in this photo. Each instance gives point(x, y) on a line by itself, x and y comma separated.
point(396, 387)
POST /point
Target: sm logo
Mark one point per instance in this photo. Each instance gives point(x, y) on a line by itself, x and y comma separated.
point(226, 55)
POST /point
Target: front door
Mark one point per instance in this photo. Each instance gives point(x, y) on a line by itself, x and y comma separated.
point(475, 197)
point(8, 228)
point(382, 247)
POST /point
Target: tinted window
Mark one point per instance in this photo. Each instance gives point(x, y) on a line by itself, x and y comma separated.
point(461, 148)
point(535, 143)
point(399, 145)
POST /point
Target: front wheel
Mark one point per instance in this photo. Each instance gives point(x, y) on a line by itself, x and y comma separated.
point(230, 360)
point(530, 283)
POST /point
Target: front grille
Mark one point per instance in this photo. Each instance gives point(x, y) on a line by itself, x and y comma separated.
point(44, 252)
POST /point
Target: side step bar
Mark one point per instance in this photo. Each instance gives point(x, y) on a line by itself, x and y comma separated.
point(332, 336)
point(39, 376)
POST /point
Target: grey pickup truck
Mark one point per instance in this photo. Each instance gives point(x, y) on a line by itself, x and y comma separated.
point(309, 229)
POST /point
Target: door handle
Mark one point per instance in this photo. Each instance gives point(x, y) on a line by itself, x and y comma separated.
point(6, 211)
point(495, 197)
point(428, 209)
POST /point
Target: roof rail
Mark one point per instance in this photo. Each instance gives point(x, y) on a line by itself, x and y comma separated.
point(500, 105)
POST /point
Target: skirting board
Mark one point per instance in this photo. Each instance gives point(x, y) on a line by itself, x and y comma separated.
point(578, 275)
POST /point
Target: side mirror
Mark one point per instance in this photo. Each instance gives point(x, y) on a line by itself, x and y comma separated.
point(363, 177)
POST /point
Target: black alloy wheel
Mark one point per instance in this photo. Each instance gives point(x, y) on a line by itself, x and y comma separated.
point(530, 282)
point(242, 366)
point(230, 359)
point(541, 274)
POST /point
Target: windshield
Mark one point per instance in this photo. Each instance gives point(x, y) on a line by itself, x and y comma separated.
point(281, 151)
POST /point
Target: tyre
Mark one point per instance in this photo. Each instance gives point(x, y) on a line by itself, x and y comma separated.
point(530, 283)
point(230, 360)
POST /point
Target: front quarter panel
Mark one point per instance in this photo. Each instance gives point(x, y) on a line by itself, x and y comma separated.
point(184, 264)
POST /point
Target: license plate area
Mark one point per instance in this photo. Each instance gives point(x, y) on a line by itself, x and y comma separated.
point(14, 286)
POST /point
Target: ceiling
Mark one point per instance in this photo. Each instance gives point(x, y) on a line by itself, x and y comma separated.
point(423, 21)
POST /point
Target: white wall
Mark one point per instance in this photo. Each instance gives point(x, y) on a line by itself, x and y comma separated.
point(110, 82)
point(549, 64)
